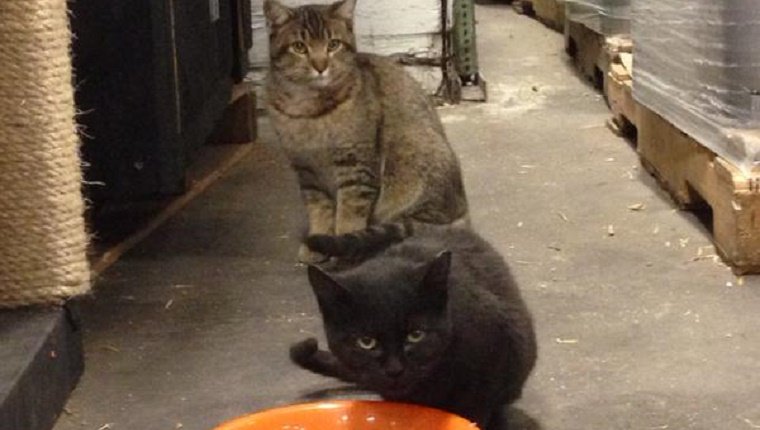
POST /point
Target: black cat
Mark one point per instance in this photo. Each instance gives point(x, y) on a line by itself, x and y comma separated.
point(435, 320)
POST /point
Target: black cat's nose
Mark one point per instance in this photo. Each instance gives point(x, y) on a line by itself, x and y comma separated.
point(393, 367)
point(394, 373)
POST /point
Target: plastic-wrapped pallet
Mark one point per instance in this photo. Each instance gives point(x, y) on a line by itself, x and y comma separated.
point(697, 64)
point(607, 17)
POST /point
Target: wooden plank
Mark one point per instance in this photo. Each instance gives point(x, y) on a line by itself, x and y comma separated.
point(624, 108)
point(695, 175)
point(216, 161)
point(586, 48)
point(430, 78)
point(390, 17)
point(387, 17)
point(390, 27)
point(238, 124)
point(618, 86)
point(550, 12)
point(418, 45)
point(41, 360)
point(626, 59)
point(425, 44)
point(594, 53)
point(523, 7)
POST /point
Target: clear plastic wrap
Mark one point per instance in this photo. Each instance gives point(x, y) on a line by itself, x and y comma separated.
point(608, 17)
point(697, 64)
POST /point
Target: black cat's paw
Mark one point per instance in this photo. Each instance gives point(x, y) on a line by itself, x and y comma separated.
point(320, 243)
point(302, 352)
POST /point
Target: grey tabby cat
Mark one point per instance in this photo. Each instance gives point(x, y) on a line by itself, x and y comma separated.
point(363, 137)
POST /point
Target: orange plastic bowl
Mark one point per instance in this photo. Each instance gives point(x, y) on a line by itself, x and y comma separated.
point(350, 415)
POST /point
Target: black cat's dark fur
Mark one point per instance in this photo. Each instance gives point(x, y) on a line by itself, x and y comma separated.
point(435, 319)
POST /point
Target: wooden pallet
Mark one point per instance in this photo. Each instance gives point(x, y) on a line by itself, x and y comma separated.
point(121, 226)
point(523, 7)
point(238, 124)
point(618, 89)
point(695, 176)
point(587, 49)
point(42, 362)
point(593, 54)
point(550, 12)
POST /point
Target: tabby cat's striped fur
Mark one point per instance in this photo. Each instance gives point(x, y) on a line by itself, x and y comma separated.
point(363, 137)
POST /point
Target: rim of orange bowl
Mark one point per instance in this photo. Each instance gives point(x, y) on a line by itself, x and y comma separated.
point(245, 420)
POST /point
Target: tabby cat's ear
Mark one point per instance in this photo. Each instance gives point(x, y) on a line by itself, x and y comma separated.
point(436, 280)
point(344, 9)
point(330, 294)
point(276, 13)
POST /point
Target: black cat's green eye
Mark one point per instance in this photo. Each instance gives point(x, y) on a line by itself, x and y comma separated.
point(415, 336)
point(367, 343)
point(334, 45)
point(298, 47)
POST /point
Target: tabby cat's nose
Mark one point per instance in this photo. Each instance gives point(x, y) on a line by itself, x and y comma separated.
point(319, 66)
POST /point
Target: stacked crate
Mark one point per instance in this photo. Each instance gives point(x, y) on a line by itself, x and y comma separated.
point(588, 24)
point(607, 17)
point(697, 86)
point(550, 12)
point(698, 66)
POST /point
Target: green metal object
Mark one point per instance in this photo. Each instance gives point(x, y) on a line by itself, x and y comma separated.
point(465, 41)
point(472, 84)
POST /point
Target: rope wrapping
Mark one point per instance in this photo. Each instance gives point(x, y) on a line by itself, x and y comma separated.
point(43, 240)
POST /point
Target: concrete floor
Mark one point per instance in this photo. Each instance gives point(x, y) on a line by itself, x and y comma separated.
point(192, 327)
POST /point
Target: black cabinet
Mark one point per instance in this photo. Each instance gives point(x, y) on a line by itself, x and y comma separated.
point(152, 79)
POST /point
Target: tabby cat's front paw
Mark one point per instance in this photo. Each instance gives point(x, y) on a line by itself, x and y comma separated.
point(307, 256)
point(301, 352)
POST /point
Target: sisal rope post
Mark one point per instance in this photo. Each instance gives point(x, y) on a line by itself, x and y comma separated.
point(43, 242)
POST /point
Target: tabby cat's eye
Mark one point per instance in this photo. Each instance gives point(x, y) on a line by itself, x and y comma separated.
point(367, 343)
point(298, 47)
point(415, 336)
point(333, 45)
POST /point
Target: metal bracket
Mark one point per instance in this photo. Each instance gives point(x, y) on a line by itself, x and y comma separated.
point(466, 51)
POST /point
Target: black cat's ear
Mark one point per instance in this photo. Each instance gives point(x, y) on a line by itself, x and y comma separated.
point(437, 274)
point(331, 296)
point(344, 9)
point(435, 283)
point(276, 13)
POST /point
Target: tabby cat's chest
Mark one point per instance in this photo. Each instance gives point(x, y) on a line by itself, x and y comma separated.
point(347, 124)
point(315, 141)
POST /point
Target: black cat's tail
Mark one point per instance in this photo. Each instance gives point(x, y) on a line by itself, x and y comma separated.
point(361, 243)
point(307, 354)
